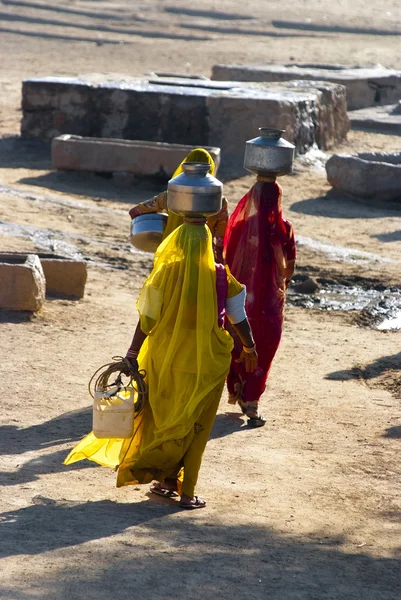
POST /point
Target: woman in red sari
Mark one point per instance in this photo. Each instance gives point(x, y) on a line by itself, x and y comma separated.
point(259, 248)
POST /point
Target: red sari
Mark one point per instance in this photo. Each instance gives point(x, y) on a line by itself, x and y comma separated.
point(258, 244)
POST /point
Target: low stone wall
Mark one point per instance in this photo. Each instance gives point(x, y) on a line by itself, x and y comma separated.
point(191, 112)
point(108, 155)
point(365, 86)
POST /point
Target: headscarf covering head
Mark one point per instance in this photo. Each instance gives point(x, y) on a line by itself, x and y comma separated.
point(197, 155)
point(253, 248)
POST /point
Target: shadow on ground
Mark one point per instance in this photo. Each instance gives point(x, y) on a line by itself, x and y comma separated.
point(245, 30)
point(41, 465)
point(227, 424)
point(207, 14)
point(391, 236)
point(369, 371)
point(17, 153)
point(305, 26)
point(146, 541)
point(68, 427)
point(108, 16)
point(338, 206)
point(96, 27)
point(95, 186)
point(393, 432)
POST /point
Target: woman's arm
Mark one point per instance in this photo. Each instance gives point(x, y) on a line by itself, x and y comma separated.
point(154, 205)
point(136, 345)
point(248, 355)
point(289, 271)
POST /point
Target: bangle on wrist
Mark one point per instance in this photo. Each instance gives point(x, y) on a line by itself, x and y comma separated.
point(249, 350)
point(132, 353)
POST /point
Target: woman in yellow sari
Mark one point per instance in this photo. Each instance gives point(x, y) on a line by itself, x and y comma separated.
point(216, 223)
point(181, 343)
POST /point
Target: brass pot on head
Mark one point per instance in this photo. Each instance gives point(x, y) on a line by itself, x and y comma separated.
point(269, 155)
point(195, 192)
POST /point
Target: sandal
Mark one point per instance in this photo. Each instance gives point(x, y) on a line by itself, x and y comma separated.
point(250, 409)
point(159, 490)
point(199, 503)
point(258, 421)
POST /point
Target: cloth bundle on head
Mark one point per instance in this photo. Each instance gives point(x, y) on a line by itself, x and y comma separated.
point(257, 228)
point(198, 155)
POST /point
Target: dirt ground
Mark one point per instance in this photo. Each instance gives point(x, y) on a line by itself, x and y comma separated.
point(306, 508)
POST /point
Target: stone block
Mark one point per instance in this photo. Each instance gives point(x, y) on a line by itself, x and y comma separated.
point(366, 86)
point(64, 277)
point(136, 157)
point(331, 119)
point(377, 118)
point(368, 175)
point(308, 114)
point(22, 283)
point(193, 112)
point(52, 106)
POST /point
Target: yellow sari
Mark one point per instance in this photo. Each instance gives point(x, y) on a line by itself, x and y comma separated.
point(186, 357)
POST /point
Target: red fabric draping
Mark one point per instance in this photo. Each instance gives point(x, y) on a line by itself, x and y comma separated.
point(257, 245)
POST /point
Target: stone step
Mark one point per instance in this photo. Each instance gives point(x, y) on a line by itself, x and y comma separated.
point(108, 155)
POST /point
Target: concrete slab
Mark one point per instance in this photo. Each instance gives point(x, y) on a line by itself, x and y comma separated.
point(365, 86)
point(22, 283)
point(185, 111)
point(377, 118)
point(141, 158)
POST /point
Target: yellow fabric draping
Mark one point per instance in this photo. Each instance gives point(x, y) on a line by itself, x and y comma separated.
point(186, 357)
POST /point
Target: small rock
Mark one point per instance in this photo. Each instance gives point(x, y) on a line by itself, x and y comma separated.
point(42, 500)
point(309, 286)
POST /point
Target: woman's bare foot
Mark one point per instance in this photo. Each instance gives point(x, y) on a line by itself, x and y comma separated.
point(189, 503)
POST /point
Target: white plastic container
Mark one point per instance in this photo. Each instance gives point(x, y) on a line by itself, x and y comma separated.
point(113, 415)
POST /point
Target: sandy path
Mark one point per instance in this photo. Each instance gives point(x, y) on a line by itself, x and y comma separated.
point(307, 508)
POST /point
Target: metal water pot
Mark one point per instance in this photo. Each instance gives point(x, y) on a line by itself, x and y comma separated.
point(195, 192)
point(269, 154)
point(147, 231)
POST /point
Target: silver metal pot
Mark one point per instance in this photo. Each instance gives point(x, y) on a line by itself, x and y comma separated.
point(195, 192)
point(147, 231)
point(269, 155)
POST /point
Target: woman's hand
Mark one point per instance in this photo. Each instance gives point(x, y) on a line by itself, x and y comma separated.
point(134, 364)
point(250, 359)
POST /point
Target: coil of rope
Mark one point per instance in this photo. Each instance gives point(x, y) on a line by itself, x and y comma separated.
point(99, 382)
